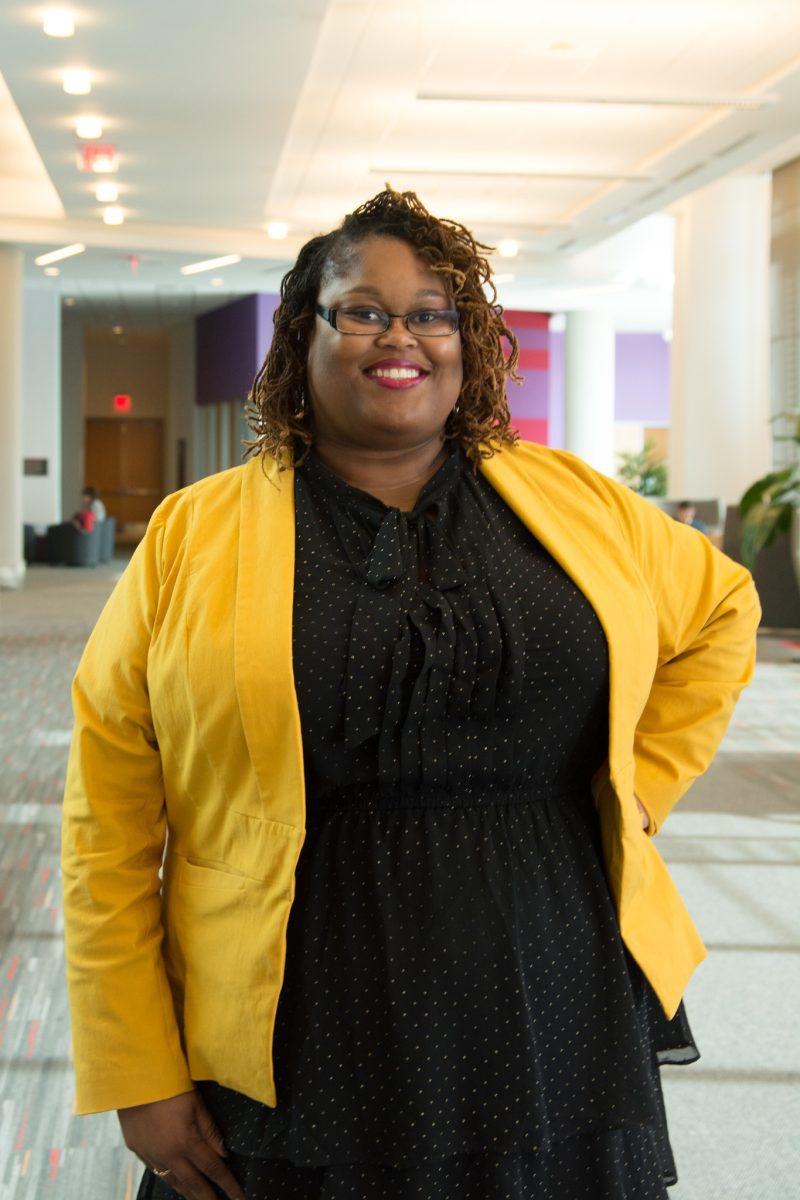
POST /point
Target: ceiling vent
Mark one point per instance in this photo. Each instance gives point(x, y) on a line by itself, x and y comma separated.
point(689, 171)
point(742, 141)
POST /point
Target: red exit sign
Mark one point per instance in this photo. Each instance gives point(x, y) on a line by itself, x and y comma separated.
point(123, 402)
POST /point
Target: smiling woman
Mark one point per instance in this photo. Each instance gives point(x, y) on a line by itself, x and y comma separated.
point(411, 299)
point(389, 686)
point(392, 381)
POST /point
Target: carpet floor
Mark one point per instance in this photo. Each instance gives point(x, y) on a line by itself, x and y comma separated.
point(732, 845)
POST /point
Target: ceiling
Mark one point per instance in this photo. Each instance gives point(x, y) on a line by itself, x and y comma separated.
point(569, 127)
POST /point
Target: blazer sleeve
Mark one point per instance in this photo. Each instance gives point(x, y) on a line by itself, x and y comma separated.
point(708, 612)
point(126, 1043)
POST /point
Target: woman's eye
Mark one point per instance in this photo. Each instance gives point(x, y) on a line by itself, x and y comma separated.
point(364, 314)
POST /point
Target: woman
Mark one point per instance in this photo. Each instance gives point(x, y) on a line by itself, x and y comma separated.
point(388, 688)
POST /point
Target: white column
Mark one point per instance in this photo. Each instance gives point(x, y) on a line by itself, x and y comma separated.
point(12, 564)
point(720, 436)
point(41, 409)
point(785, 311)
point(589, 388)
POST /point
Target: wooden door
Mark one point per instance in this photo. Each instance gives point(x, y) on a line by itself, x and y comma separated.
point(124, 462)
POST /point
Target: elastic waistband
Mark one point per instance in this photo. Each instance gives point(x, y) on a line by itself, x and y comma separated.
point(372, 796)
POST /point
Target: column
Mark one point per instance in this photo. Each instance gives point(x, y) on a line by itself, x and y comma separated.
point(223, 436)
point(12, 564)
point(72, 416)
point(181, 412)
point(785, 307)
point(589, 388)
point(41, 410)
point(720, 434)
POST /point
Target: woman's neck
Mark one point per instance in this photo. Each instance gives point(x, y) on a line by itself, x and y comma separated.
point(395, 477)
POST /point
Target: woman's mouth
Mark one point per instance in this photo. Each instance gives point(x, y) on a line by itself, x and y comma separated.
point(396, 375)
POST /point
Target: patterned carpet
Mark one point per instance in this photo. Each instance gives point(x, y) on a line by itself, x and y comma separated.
point(733, 847)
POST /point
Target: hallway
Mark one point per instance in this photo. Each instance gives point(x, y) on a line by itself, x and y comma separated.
point(733, 847)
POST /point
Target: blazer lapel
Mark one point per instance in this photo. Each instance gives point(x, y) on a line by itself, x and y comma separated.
point(263, 640)
point(590, 551)
point(543, 496)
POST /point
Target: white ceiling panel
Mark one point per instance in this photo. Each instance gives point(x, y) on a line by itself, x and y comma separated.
point(697, 89)
point(227, 116)
point(25, 187)
point(196, 96)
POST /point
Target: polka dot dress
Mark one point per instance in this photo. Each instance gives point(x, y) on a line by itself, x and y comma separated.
point(459, 1016)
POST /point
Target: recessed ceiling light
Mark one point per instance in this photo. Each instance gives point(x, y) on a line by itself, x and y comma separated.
point(52, 271)
point(508, 248)
point(106, 192)
point(77, 82)
point(113, 215)
point(56, 255)
point(58, 22)
point(116, 329)
point(89, 127)
point(210, 263)
point(217, 282)
point(70, 301)
point(277, 229)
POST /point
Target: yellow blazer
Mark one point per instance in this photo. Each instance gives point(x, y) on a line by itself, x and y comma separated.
point(187, 732)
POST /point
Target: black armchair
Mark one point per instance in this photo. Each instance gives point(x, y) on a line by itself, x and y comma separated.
point(73, 547)
point(108, 530)
point(29, 543)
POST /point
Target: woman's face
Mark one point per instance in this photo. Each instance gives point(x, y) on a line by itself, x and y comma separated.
point(350, 404)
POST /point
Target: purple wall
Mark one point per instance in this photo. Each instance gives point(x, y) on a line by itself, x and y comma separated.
point(642, 378)
point(642, 364)
point(555, 399)
point(231, 344)
point(266, 302)
point(528, 401)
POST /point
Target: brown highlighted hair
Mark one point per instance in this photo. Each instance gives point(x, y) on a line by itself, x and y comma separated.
point(278, 411)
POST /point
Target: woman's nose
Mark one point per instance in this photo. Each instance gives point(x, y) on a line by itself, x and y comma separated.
point(397, 334)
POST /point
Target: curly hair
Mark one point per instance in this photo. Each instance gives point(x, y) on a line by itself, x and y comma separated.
point(276, 410)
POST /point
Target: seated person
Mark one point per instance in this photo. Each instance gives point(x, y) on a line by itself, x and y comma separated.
point(84, 519)
point(686, 513)
point(96, 504)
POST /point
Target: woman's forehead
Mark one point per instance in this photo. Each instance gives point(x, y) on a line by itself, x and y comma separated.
point(379, 264)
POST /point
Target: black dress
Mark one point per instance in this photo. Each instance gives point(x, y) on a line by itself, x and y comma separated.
point(459, 1016)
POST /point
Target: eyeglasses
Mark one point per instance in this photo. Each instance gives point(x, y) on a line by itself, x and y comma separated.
point(427, 322)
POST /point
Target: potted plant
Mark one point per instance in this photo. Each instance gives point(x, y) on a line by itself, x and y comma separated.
point(642, 472)
point(770, 505)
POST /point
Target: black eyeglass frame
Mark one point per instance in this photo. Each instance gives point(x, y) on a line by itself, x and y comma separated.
point(329, 315)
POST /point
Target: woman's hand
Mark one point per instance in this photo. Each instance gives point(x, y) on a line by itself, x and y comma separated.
point(643, 812)
point(180, 1134)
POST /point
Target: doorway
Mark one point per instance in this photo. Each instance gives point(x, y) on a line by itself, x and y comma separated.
point(125, 463)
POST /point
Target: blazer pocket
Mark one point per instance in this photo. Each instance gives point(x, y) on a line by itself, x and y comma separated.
point(223, 946)
point(196, 874)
